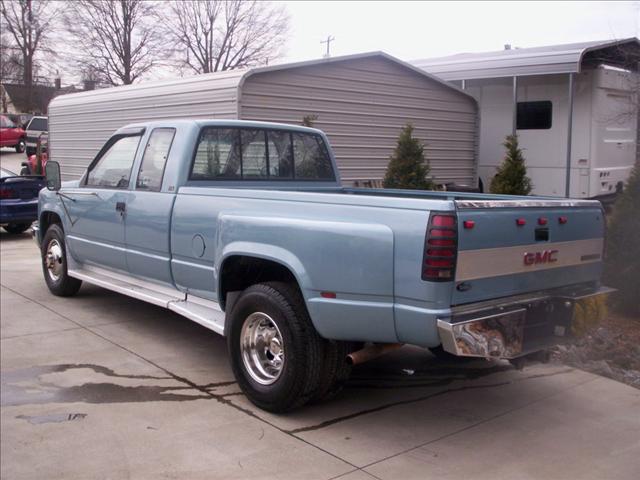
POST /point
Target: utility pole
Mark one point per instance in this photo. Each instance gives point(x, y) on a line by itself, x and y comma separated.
point(328, 42)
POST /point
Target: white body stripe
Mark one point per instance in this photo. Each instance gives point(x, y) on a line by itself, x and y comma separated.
point(495, 262)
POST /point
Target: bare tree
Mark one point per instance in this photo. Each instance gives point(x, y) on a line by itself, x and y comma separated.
point(116, 40)
point(218, 35)
point(10, 60)
point(27, 22)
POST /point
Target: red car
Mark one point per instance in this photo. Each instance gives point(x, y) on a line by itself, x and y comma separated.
point(11, 135)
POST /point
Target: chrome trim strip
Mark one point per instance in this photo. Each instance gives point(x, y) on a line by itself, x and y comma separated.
point(94, 242)
point(190, 264)
point(496, 262)
point(471, 204)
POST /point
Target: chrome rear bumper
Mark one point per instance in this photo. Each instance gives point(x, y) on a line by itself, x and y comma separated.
point(511, 327)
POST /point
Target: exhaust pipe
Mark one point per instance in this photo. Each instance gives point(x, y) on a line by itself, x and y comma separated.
point(372, 351)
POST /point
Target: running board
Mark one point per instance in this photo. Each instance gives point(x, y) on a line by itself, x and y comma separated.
point(205, 312)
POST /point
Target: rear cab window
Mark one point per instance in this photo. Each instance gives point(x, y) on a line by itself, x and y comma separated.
point(260, 154)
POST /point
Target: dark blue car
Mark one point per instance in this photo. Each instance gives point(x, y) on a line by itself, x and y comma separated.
point(18, 200)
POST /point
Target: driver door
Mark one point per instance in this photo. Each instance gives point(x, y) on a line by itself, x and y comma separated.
point(96, 208)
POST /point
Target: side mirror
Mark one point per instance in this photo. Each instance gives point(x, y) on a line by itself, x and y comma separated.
point(52, 172)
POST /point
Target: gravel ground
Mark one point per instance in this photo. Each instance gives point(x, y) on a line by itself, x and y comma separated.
point(611, 350)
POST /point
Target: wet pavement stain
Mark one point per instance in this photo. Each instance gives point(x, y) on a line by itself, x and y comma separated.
point(36, 391)
point(55, 418)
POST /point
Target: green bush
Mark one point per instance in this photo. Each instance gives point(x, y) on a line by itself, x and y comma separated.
point(511, 177)
point(622, 261)
point(407, 166)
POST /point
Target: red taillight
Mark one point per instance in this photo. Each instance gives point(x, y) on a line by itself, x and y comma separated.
point(520, 222)
point(562, 220)
point(443, 221)
point(542, 221)
point(6, 192)
point(440, 250)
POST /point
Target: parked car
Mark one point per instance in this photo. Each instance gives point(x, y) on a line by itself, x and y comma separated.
point(244, 228)
point(30, 167)
point(11, 135)
point(35, 128)
point(18, 200)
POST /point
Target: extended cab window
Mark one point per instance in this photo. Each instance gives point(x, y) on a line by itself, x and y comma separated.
point(113, 168)
point(154, 159)
point(217, 155)
point(260, 154)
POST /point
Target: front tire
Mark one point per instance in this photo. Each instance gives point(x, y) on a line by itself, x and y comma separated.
point(275, 352)
point(16, 228)
point(54, 264)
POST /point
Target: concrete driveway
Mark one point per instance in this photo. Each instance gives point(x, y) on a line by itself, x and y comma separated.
point(105, 386)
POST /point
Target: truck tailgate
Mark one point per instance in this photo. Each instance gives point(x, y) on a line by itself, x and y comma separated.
point(511, 247)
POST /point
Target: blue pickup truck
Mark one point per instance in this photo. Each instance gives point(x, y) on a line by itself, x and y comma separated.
point(245, 228)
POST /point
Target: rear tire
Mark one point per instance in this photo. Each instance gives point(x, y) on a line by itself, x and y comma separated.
point(54, 264)
point(335, 370)
point(275, 352)
point(16, 228)
point(20, 146)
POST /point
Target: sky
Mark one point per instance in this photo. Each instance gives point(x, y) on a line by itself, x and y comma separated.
point(414, 30)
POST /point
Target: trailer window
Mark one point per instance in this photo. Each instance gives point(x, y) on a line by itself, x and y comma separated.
point(154, 159)
point(534, 115)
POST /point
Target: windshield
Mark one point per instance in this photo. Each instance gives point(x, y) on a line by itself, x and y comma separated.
point(6, 173)
point(39, 124)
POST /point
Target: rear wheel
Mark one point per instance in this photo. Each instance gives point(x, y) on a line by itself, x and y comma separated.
point(335, 370)
point(54, 264)
point(20, 146)
point(16, 228)
point(275, 352)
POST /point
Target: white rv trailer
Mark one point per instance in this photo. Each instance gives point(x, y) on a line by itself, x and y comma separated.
point(574, 108)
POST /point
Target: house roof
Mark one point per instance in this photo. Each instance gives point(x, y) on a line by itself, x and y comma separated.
point(552, 59)
point(41, 96)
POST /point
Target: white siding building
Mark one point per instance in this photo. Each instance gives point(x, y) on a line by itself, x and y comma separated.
point(360, 101)
point(573, 107)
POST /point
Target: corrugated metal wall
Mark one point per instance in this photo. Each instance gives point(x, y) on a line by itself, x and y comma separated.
point(362, 104)
point(79, 124)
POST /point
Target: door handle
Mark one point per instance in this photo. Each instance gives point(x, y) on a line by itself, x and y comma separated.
point(121, 207)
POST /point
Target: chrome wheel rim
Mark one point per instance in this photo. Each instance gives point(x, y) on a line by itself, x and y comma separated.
point(262, 348)
point(53, 260)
